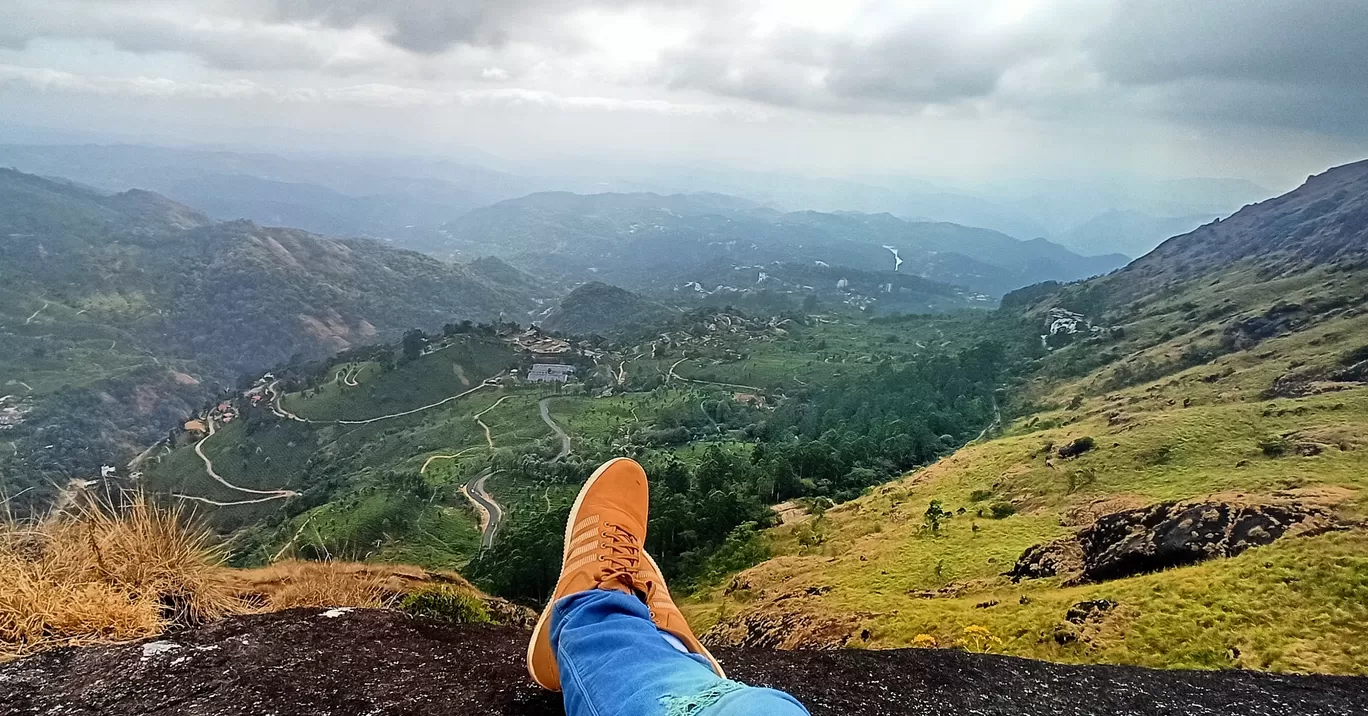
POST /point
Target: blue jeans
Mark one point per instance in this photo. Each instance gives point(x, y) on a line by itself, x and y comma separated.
point(614, 662)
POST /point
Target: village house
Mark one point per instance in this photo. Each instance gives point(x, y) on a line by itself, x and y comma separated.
point(550, 373)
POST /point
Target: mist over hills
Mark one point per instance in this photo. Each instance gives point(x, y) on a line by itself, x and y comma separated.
point(635, 239)
point(1132, 233)
point(400, 197)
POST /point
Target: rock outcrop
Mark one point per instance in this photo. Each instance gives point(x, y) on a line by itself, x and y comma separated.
point(1170, 534)
point(311, 662)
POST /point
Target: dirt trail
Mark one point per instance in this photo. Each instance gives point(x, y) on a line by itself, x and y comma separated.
point(679, 377)
point(281, 412)
point(489, 437)
point(545, 407)
point(266, 495)
point(428, 462)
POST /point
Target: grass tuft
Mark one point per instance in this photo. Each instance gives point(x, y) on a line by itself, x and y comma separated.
point(103, 571)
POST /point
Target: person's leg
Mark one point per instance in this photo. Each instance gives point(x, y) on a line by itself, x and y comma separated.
point(615, 662)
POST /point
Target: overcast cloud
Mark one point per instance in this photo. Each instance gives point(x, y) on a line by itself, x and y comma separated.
point(1126, 84)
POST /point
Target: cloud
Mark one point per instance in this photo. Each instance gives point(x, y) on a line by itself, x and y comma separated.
point(1264, 62)
point(434, 26)
point(1280, 63)
point(936, 53)
point(368, 95)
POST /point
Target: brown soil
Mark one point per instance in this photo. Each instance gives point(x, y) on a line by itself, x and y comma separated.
point(376, 662)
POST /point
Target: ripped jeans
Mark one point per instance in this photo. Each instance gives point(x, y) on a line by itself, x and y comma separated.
point(614, 662)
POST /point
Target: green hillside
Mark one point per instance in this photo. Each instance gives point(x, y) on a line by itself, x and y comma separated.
point(119, 314)
point(1223, 371)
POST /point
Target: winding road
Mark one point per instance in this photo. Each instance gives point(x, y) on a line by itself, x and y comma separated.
point(489, 437)
point(491, 514)
point(281, 412)
point(997, 420)
point(674, 375)
point(35, 313)
point(266, 495)
point(545, 407)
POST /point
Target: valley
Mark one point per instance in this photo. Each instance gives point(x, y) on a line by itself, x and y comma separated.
point(904, 446)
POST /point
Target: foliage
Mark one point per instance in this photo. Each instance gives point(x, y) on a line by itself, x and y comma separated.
point(445, 603)
point(1001, 510)
point(931, 519)
point(1077, 447)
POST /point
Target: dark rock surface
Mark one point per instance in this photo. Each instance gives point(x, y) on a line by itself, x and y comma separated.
point(1176, 534)
point(373, 662)
point(1170, 534)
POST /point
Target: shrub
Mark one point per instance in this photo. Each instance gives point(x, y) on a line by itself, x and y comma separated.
point(1275, 446)
point(447, 604)
point(1001, 510)
point(934, 514)
point(1078, 447)
point(980, 495)
point(1358, 355)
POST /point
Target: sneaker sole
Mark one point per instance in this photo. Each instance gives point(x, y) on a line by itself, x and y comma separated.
point(544, 621)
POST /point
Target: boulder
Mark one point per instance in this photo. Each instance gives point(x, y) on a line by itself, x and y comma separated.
point(1169, 534)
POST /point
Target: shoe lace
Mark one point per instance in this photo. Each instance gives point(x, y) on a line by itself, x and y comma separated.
point(622, 559)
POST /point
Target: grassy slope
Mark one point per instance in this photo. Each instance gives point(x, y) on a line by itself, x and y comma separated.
point(1298, 605)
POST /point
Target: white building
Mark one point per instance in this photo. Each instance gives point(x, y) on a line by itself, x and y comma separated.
point(550, 373)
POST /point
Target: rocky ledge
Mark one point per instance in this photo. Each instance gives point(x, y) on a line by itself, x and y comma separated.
point(318, 662)
point(1170, 534)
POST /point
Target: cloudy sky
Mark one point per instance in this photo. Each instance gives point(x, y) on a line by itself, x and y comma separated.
point(1268, 90)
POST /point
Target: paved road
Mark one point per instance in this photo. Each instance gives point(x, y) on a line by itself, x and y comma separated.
point(491, 514)
point(545, 407)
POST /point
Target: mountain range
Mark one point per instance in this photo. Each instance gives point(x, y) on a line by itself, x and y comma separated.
point(635, 240)
point(135, 295)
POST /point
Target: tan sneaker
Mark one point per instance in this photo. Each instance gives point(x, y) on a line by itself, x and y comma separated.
point(667, 616)
point(603, 550)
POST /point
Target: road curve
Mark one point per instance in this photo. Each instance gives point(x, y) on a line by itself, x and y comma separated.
point(267, 495)
point(489, 437)
point(491, 514)
point(545, 407)
point(675, 376)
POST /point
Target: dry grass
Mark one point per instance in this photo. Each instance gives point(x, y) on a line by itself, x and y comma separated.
point(102, 571)
point(123, 569)
point(291, 584)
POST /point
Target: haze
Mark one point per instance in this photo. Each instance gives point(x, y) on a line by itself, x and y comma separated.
point(991, 96)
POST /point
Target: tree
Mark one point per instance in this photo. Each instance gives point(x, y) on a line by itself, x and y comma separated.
point(934, 514)
point(414, 342)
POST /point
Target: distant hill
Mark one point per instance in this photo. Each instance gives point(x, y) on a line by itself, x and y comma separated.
point(1131, 233)
point(780, 287)
point(1316, 229)
point(634, 239)
point(119, 312)
point(597, 308)
point(335, 196)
